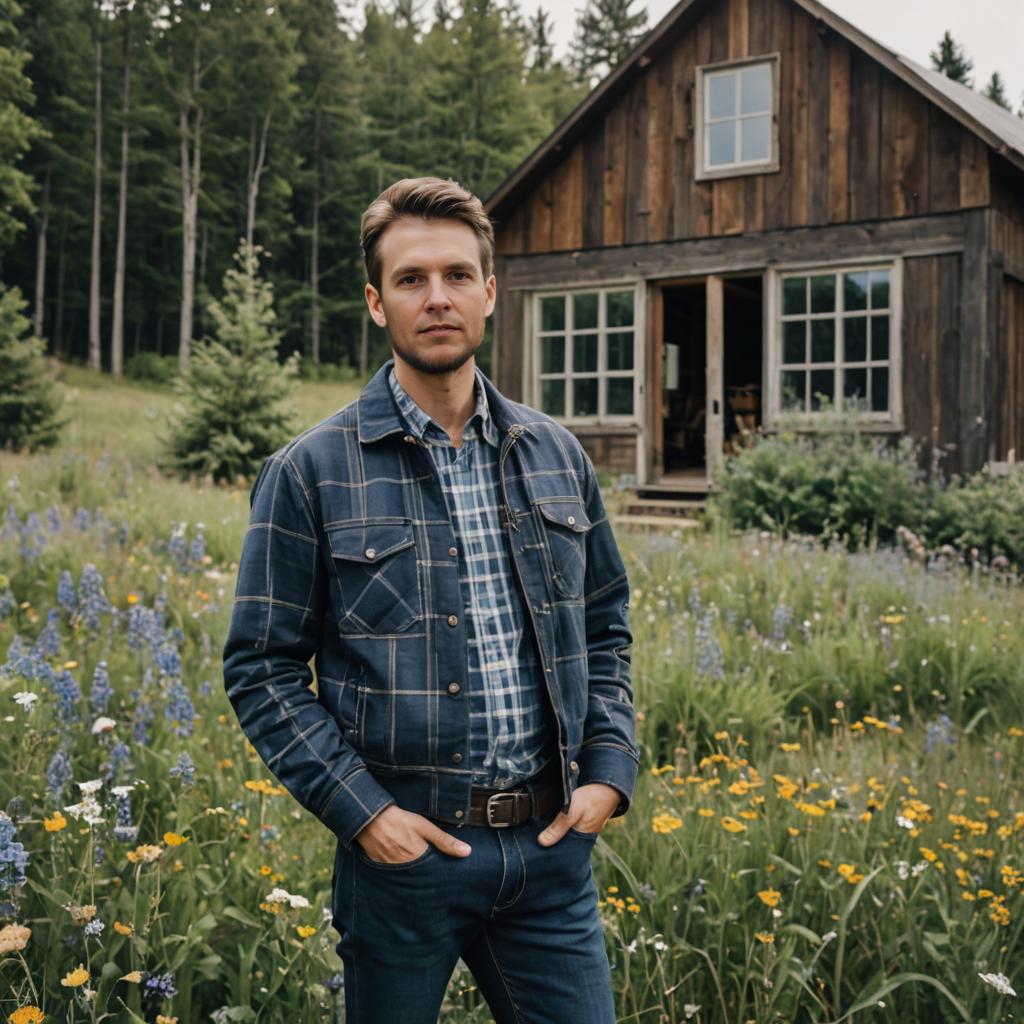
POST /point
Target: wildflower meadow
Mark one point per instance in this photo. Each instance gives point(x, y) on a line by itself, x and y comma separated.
point(828, 824)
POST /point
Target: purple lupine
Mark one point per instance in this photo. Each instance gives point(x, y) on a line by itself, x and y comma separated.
point(185, 770)
point(65, 689)
point(32, 542)
point(92, 600)
point(120, 754)
point(179, 708)
point(53, 521)
point(13, 857)
point(66, 597)
point(48, 641)
point(101, 691)
point(58, 775)
point(82, 519)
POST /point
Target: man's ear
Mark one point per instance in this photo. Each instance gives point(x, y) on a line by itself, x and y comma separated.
point(491, 288)
point(375, 306)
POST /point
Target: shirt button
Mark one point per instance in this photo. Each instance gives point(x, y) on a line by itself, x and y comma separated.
point(571, 520)
point(453, 620)
point(574, 766)
point(453, 688)
point(458, 814)
point(453, 551)
point(371, 553)
point(456, 758)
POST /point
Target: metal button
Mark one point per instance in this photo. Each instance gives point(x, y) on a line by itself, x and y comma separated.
point(571, 520)
point(453, 620)
point(409, 438)
point(458, 814)
point(456, 758)
point(574, 766)
point(371, 553)
point(453, 551)
point(454, 688)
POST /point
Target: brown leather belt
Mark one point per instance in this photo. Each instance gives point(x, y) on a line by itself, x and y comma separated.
point(501, 808)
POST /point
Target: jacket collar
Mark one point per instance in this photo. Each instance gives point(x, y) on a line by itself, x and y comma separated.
point(378, 415)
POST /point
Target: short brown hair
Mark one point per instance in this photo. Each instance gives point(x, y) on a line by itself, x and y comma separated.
point(428, 198)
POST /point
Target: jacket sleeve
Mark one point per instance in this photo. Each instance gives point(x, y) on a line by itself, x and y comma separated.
point(609, 752)
point(281, 597)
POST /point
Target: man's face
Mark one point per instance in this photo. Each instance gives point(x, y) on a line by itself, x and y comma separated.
point(433, 299)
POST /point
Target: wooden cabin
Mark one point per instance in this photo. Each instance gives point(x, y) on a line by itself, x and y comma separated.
point(765, 213)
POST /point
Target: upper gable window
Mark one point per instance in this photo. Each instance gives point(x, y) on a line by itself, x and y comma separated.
point(736, 130)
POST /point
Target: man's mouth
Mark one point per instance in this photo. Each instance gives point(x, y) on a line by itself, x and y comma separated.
point(439, 330)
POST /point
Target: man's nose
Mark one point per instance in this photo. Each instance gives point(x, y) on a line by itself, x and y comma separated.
point(437, 297)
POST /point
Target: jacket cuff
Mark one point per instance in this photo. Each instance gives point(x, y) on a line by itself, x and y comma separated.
point(356, 801)
point(614, 766)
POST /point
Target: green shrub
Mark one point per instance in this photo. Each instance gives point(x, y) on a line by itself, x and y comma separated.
point(328, 373)
point(151, 367)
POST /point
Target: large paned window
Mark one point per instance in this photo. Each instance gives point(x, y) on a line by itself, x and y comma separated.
point(586, 354)
point(736, 132)
point(836, 342)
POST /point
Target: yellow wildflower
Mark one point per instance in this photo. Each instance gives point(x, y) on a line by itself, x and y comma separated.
point(613, 889)
point(769, 897)
point(27, 1015)
point(793, 831)
point(132, 598)
point(173, 839)
point(789, 748)
point(135, 977)
point(305, 930)
point(161, 1019)
point(929, 854)
point(123, 929)
point(14, 937)
point(266, 870)
point(77, 977)
point(732, 825)
point(705, 812)
point(811, 810)
point(850, 873)
point(55, 823)
point(665, 823)
point(766, 937)
point(146, 853)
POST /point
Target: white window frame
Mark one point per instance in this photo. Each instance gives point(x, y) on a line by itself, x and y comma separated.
point(639, 336)
point(885, 421)
point(702, 171)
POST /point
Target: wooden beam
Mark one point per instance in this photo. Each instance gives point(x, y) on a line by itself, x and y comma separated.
point(715, 323)
point(911, 236)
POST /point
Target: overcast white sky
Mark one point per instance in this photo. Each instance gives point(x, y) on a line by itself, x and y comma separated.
point(991, 31)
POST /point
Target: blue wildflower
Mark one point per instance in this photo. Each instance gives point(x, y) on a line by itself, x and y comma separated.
point(58, 775)
point(167, 660)
point(65, 689)
point(144, 715)
point(53, 521)
point(82, 519)
point(122, 535)
point(782, 616)
point(179, 708)
point(101, 691)
point(334, 982)
point(32, 542)
point(66, 592)
point(12, 523)
point(158, 987)
point(177, 547)
point(119, 755)
point(709, 651)
point(268, 833)
point(13, 857)
point(48, 641)
point(197, 549)
point(205, 688)
point(20, 660)
point(942, 732)
point(92, 600)
point(185, 770)
point(94, 929)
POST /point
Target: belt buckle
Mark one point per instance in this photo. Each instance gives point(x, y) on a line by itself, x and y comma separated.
point(490, 801)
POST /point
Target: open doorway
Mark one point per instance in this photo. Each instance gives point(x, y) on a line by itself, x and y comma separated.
point(711, 373)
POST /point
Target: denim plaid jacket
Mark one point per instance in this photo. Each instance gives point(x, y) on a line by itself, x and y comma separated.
point(350, 559)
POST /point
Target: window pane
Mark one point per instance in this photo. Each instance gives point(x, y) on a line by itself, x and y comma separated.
point(822, 389)
point(855, 387)
point(879, 337)
point(879, 289)
point(855, 291)
point(855, 339)
point(794, 295)
point(584, 310)
point(620, 309)
point(793, 382)
point(620, 396)
point(823, 293)
point(823, 341)
point(584, 353)
point(879, 389)
point(584, 397)
point(756, 90)
point(552, 355)
point(552, 313)
point(722, 94)
point(722, 139)
point(552, 397)
point(794, 345)
point(755, 139)
point(620, 351)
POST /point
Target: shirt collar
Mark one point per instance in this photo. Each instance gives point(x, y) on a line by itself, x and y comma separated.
point(419, 422)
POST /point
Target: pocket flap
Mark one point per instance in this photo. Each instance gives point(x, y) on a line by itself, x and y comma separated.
point(369, 543)
point(567, 512)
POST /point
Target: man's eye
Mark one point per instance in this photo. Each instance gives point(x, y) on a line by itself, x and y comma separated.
point(407, 279)
point(460, 274)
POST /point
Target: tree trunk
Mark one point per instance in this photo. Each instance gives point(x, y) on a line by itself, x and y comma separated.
point(97, 202)
point(58, 323)
point(190, 171)
point(314, 242)
point(255, 173)
point(117, 328)
point(42, 224)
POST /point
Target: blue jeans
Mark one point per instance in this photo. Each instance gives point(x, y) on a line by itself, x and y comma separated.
point(523, 918)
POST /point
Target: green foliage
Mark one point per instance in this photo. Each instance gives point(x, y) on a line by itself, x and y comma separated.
point(28, 403)
point(606, 31)
point(151, 367)
point(233, 415)
point(951, 59)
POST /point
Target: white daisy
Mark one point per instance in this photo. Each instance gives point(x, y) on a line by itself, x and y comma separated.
point(103, 724)
point(1000, 982)
point(26, 699)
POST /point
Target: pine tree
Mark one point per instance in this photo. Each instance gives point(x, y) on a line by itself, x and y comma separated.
point(996, 91)
point(28, 402)
point(606, 31)
point(951, 59)
point(233, 412)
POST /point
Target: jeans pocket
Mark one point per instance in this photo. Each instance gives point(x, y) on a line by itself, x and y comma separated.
point(588, 836)
point(380, 865)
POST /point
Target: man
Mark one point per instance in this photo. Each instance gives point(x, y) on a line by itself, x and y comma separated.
point(445, 555)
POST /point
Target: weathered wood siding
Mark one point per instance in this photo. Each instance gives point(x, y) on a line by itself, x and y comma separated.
point(856, 143)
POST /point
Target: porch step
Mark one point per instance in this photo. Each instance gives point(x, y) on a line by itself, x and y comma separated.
point(664, 506)
point(658, 521)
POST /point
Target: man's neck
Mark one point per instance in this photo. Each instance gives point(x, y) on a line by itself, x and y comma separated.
point(447, 398)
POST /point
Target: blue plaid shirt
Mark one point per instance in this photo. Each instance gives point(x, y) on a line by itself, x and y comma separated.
point(510, 734)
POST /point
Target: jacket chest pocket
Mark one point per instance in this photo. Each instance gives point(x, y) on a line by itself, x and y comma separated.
point(378, 578)
point(564, 526)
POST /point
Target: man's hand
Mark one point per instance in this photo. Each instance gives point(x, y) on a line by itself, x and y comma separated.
point(396, 836)
point(591, 806)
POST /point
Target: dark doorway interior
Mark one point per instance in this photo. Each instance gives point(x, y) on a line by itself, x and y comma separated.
point(684, 373)
point(743, 356)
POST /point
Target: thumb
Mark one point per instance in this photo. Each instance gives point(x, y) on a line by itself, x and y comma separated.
point(444, 842)
point(554, 832)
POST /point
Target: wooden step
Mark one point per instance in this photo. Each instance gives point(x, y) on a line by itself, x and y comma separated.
point(662, 521)
point(664, 506)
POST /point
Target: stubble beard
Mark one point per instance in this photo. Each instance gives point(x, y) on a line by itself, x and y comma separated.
point(433, 366)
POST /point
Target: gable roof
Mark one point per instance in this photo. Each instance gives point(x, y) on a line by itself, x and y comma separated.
point(999, 128)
